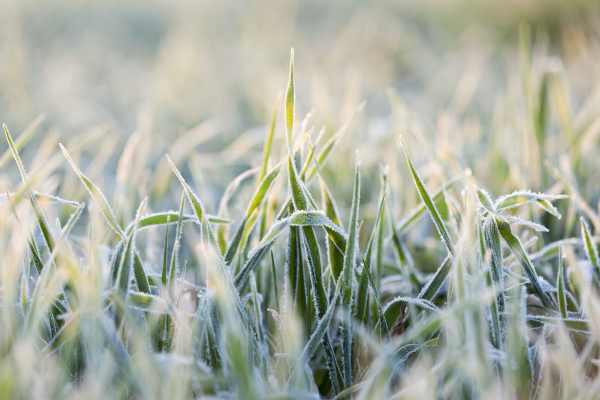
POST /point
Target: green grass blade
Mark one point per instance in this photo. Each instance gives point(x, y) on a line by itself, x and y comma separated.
point(261, 191)
point(431, 208)
point(249, 220)
point(290, 105)
point(235, 242)
point(348, 277)
point(194, 201)
point(517, 248)
point(268, 146)
point(41, 219)
point(140, 274)
point(260, 251)
point(317, 219)
point(431, 288)
point(335, 246)
point(165, 255)
point(491, 236)
point(591, 250)
point(96, 195)
point(561, 291)
point(170, 218)
point(413, 216)
point(321, 328)
point(128, 261)
point(22, 140)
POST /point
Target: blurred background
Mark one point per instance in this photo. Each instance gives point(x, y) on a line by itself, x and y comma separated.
point(200, 79)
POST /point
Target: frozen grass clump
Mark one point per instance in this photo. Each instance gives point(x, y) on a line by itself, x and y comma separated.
point(313, 275)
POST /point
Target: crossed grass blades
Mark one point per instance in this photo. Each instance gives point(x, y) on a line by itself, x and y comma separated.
point(294, 300)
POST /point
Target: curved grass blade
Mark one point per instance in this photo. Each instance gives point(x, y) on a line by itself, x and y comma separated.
point(317, 218)
point(194, 201)
point(41, 219)
point(289, 105)
point(96, 195)
point(170, 218)
point(147, 301)
point(23, 139)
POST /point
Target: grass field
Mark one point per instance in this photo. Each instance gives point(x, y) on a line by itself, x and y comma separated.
point(406, 205)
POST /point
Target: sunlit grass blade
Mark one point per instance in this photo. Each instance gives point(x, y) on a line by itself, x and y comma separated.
point(171, 218)
point(41, 219)
point(268, 146)
point(146, 301)
point(289, 105)
point(523, 197)
point(317, 219)
point(194, 201)
point(96, 195)
point(261, 191)
point(22, 140)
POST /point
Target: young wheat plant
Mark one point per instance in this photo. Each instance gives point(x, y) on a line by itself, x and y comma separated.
point(288, 289)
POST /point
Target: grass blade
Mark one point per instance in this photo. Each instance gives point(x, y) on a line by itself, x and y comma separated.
point(590, 250)
point(430, 205)
point(431, 288)
point(517, 248)
point(96, 195)
point(348, 277)
point(561, 291)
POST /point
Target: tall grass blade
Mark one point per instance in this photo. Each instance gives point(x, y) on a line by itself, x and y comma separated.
point(96, 195)
point(430, 205)
point(591, 250)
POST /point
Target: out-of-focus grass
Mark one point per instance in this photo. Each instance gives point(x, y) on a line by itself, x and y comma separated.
point(414, 216)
